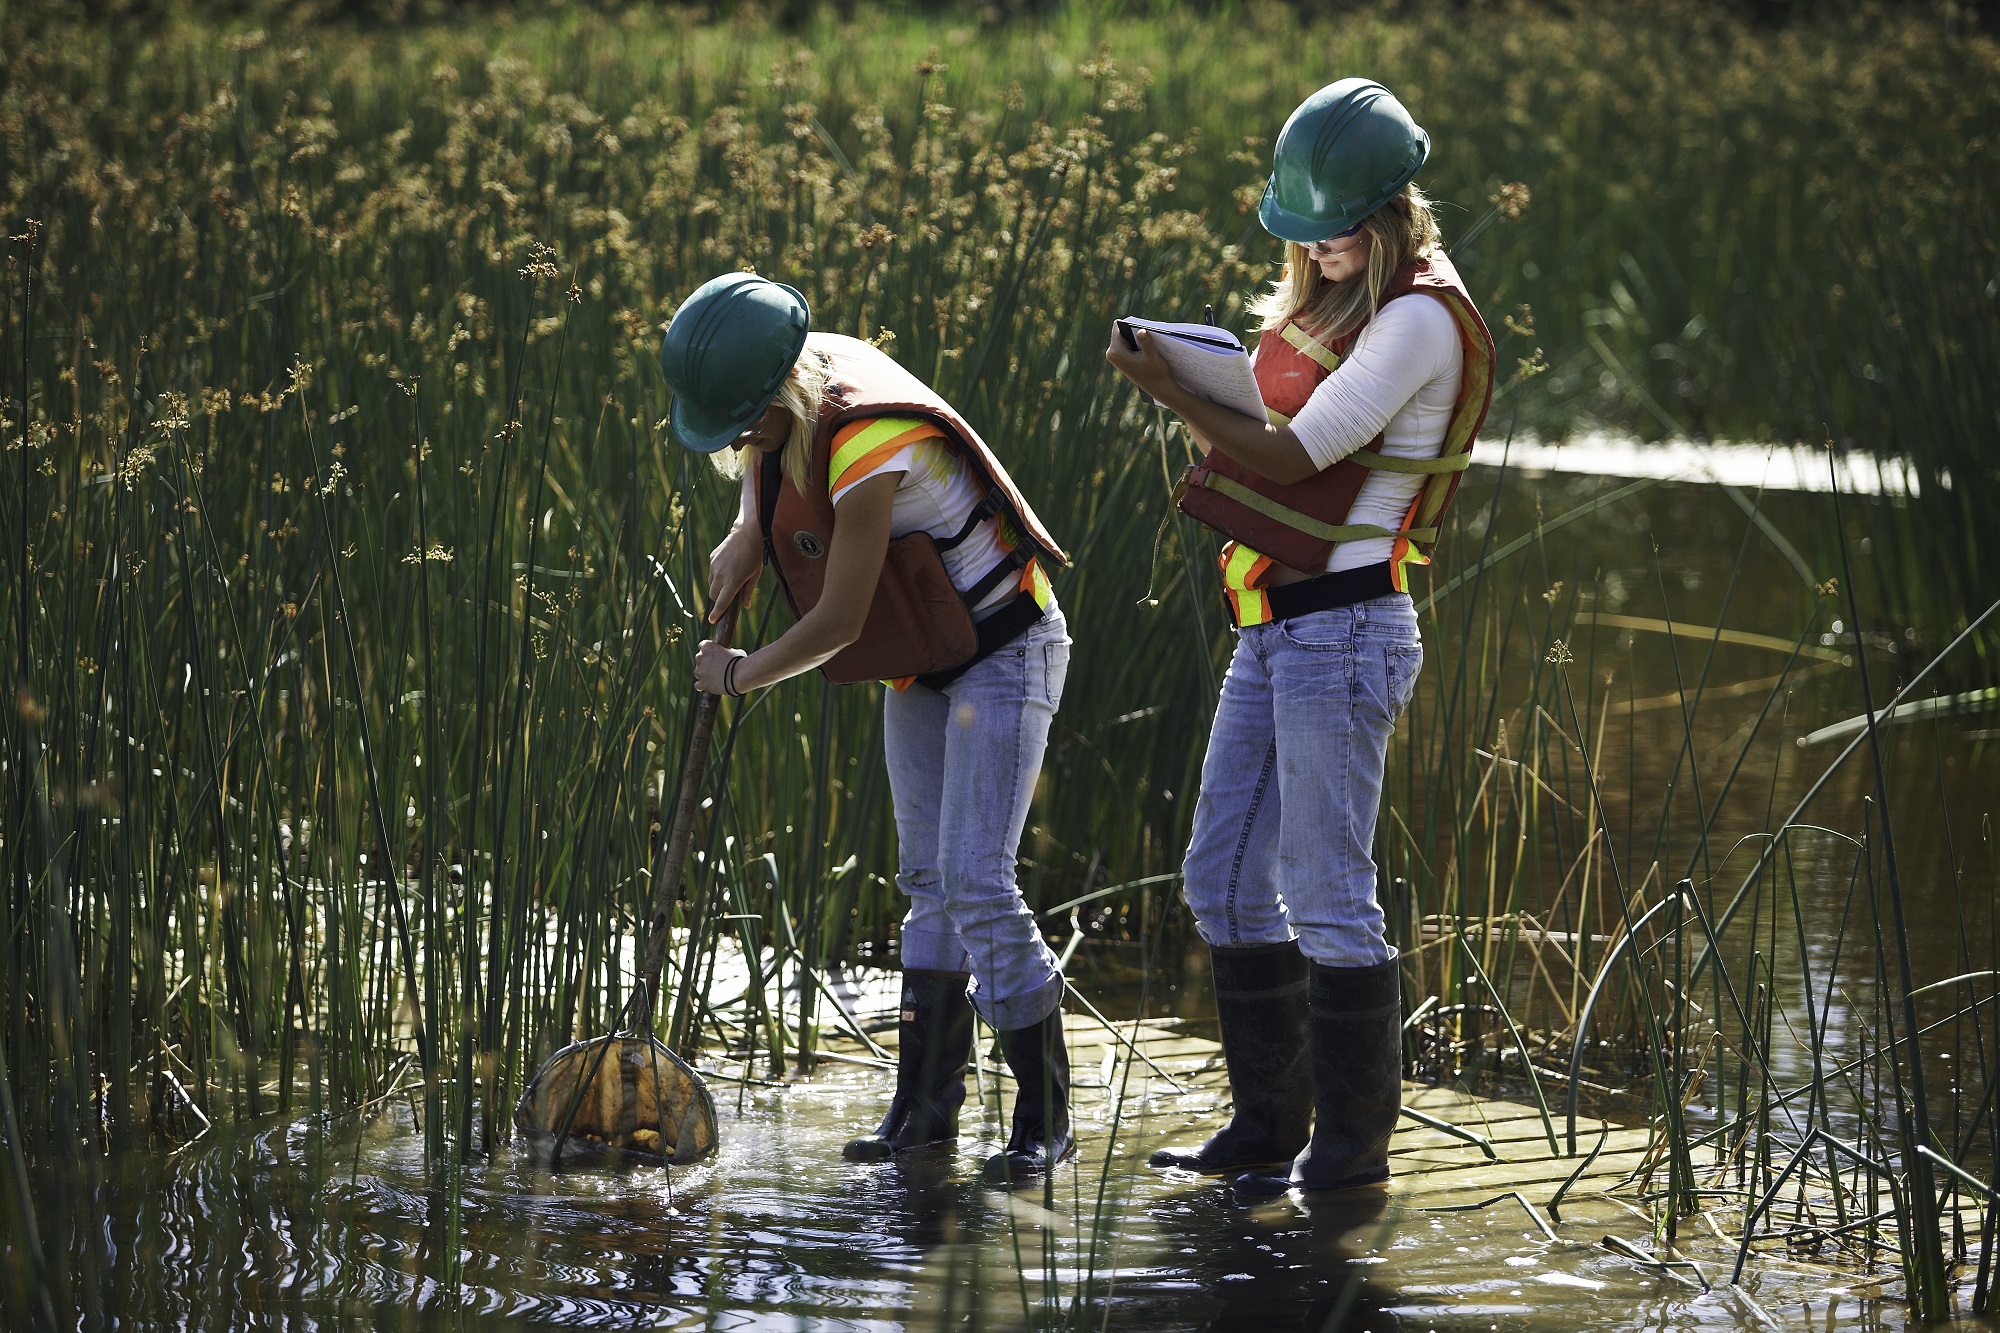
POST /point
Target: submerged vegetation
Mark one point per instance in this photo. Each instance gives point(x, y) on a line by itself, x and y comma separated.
point(352, 582)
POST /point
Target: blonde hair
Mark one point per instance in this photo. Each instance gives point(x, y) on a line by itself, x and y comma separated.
point(802, 393)
point(1401, 230)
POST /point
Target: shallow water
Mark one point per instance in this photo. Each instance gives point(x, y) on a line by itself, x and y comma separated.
point(779, 1232)
point(307, 1225)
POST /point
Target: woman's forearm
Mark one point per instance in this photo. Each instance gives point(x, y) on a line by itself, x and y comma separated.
point(1268, 450)
point(818, 636)
point(746, 506)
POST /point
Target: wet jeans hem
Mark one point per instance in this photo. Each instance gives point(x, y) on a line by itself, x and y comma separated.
point(1019, 1011)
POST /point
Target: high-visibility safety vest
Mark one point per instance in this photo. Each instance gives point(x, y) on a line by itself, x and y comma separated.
point(918, 623)
point(1298, 524)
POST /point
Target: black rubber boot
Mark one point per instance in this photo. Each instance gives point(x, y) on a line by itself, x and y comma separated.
point(1260, 996)
point(934, 1042)
point(1041, 1139)
point(1355, 1017)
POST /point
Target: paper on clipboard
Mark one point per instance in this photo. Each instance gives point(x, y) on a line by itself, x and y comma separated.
point(1209, 361)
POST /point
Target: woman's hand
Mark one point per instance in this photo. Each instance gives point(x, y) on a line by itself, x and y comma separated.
point(711, 667)
point(1271, 451)
point(734, 563)
point(1145, 367)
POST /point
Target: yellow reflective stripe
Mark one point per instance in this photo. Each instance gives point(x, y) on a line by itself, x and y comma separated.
point(856, 443)
point(1308, 346)
point(1251, 607)
point(1368, 458)
point(1034, 582)
point(1306, 523)
point(1242, 567)
point(858, 470)
point(1405, 553)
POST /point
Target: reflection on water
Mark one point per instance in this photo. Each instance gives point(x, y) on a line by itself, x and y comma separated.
point(779, 1232)
point(1774, 467)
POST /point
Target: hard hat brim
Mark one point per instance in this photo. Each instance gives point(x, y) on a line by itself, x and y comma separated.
point(1296, 227)
point(704, 436)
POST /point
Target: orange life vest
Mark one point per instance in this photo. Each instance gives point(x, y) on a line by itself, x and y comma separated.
point(918, 624)
point(1299, 524)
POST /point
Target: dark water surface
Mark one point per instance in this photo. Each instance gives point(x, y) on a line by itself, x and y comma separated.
point(779, 1233)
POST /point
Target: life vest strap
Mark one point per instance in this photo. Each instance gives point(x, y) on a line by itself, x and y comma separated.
point(770, 476)
point(1306, 523)
point(997, 575)
point(985, 509)
point(1375, 462)
point(1310, 347)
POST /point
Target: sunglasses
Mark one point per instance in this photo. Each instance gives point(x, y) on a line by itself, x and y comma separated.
point(1337, 236)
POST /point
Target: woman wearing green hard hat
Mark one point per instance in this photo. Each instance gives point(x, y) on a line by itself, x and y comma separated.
point(906, 554)
point(1375, 371)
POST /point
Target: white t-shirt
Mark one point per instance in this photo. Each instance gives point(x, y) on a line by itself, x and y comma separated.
point(936, 493)
point(1399, 381)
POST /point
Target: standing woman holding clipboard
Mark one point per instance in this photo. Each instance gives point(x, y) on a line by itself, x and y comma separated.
point(907, 555)
point(1376, 371)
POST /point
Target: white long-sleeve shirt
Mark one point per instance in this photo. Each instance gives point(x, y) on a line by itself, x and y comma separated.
point(1400, 381)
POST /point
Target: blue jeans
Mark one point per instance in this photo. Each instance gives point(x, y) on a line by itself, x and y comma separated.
point(1284, 832)
point(962, 767)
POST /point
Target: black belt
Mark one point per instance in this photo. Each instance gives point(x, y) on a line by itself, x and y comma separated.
point(995, 632)
point(1343, 587)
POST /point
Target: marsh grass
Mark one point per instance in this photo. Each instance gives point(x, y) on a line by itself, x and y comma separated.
point(352, 579)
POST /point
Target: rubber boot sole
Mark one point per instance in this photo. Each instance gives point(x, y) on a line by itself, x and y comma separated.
point(1256, 1189)
point(872, 1149)
point(1220, 1171)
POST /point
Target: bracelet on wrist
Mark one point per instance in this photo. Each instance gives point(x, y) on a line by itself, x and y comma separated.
point(729, 676)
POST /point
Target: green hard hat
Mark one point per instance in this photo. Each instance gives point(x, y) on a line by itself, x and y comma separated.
point(726, 354)
point(1343, 154)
